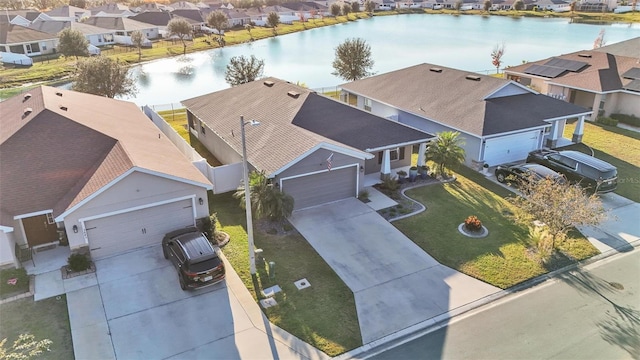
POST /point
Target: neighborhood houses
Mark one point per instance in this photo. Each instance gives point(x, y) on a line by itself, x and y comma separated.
point(272, 220)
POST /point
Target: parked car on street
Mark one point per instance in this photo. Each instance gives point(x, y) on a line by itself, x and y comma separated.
point(197, 261)
point(591, 173)
point(523, 172)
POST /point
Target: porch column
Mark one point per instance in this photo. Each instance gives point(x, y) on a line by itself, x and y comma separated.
point(421, 156)
point(385, 170)
point(577, 134)
point(556, 129)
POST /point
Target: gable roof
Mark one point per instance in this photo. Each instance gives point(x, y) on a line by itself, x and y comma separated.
point(630, 48)
point(57, 150)
point(55, 26)
point(157, 18)
point(112, 8)
point(67, 11)
point(602, 73)
point(117, 23)
point(293, 120)
point(16, 34)
point(26, 14)
point(472, 103)
point(189, 14)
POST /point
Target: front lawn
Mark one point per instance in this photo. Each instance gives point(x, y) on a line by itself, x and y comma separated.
point(499, 259)
point(619, 147)
point(13, 282)
point(324, 315)
point(45, 319)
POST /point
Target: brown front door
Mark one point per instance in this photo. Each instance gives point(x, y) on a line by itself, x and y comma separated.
point(39, 231)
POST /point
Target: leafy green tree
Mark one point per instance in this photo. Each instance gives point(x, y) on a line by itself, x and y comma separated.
point(558, 206)
point(273, 20)
point(71, 42)
point(355, 7)
point(266, 200)
point(24, 348)
point(518, 5)
point(241, 70)
point(218, 20)
point(369, 6)
point(104, 76)
point(346, 9)
point(353, 60)
point(335, 9)
point(182, 29)
point(486, 5)
point(248, 27)
point(496, 56)
point(138, 39)
point(446, 151)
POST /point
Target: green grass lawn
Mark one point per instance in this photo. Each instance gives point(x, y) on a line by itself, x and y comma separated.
point(21, 284)
point(619, 147)
point(499, 259)
point(324, 315)
point(45, 319)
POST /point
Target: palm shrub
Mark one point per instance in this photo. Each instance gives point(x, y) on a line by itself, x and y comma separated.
point(266, 200)
point(446, 151)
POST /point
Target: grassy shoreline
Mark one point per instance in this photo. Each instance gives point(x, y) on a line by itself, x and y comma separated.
point(51, 72)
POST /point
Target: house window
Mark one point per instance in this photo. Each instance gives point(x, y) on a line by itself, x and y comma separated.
point(44, 46)
point(202, 129)
point(367, 104)
point(50, 218)
point(394, 155)
point(32, 48)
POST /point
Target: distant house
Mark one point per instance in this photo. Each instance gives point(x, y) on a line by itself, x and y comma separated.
point(597, 80)
point(22, 17)
point(500, 121)
point(112, 10)
point(95, 35)
point(124, 26)
point(183, 5)
point(156, 18)
point(68, 13)
point(24, 40)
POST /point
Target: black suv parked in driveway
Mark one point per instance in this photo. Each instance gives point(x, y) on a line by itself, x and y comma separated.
point(197, 261)
point(590, 172)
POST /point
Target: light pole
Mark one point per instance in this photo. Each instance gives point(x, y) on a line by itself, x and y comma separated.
point(247, 195)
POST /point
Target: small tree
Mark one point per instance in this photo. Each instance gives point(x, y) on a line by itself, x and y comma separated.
point(572, 6)
point(599, 42)
point(248, 27)
point(518, 5)
point(560, 206)
point(73, 43)
point(369, 6)
point(487, 5)
point(446, 151)
point(355, 7)
point(266, 200)
point(273, 20)
point(458, 5)
point(24, 348)
point(218, 20)
point(346, 9)
point(103, 76)
point(496, 56)
point(353, 60)
point(335, 9)
point(138, 39)
point(241, 70)
point(182, 29)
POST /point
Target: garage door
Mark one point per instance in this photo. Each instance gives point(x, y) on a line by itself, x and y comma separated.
point(119, 233)
point(510, 148)
point(322, 188)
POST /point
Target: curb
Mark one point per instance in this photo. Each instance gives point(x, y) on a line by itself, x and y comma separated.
point(430, 325)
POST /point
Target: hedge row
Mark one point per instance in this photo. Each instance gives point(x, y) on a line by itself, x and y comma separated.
point(607, 121)
point(627, 119)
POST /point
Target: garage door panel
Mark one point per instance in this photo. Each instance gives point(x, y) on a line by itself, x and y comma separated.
point(322, 187)
point(119, 233)
point(510, 148)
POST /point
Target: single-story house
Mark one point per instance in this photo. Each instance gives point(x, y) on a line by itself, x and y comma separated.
point(22, 17)
point(90, 172)
point(68, 13)
point(95, 35)
point(500, 120)
point(600, 81)
point(312, 147)
point(24, 40)
point(124, 26)
point(111, 9)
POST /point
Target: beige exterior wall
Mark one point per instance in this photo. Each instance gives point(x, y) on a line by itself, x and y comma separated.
point(216, 146)
point(622, 103)
point(136, 189)
point(7, 257)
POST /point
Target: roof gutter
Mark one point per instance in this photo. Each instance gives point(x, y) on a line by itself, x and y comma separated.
point(380, 148)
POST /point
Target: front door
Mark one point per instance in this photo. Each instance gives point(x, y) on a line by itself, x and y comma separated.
point(40, 229)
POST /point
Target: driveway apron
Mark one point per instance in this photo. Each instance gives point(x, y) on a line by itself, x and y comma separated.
point(395, 283)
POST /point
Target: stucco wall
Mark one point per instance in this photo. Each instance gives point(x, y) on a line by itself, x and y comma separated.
point(216, 146)
point(623, 103)
point(7, 244)
point(136, 189)
point(585, 99)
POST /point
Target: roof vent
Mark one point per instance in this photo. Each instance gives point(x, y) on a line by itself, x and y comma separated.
point(472, 77)
point(435, 70)
point(27, 111)
point(293, 94)
point(59, 93)
point(268, 83)
point(63, 108)
point(26, 97)
point(585, 55)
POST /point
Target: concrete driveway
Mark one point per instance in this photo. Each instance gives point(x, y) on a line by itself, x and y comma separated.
point(395, 283)
point(138, 311)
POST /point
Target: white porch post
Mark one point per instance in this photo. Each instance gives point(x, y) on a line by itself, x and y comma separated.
point(421, 151)
point(385, 170)
point(577, 134)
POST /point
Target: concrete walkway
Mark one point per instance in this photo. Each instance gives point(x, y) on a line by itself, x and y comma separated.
point(395, 283)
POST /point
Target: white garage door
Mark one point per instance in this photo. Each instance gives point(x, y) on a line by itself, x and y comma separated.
point(510, 148)
point(322, 188)
point(126, 231)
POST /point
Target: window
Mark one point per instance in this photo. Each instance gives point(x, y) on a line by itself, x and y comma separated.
point(44, 46)
point(202, 128)
point(50, 218)
point(367, 104)
point(394, 154)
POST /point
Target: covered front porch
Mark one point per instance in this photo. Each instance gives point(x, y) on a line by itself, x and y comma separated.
point(554, 138)
point(391, 161)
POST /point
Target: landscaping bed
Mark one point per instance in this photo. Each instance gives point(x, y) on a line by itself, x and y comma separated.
point(13, 282)
point(324, 315)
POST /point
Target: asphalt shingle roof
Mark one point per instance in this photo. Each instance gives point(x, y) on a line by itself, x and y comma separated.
point(16, 34)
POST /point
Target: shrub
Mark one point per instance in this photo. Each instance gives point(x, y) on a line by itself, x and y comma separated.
point(607, 121)
point(390, 183)
point(208, 226)
point(78, 262)
point(363, 195)
point(627, 119)
point(472, 223)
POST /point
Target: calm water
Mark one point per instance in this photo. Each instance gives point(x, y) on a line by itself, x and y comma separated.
point(463, 42)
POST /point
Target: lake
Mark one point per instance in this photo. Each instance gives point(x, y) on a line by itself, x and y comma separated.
point(463, 42)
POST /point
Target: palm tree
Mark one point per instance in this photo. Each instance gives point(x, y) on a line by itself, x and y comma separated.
point(446, 151)
point(266, 199)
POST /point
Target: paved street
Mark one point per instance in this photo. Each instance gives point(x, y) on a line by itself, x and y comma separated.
point(593, 313)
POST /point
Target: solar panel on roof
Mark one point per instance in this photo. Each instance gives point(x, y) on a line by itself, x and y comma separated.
point(633, 73)
point(633, 86)
point(570, 65)
point(545, 71)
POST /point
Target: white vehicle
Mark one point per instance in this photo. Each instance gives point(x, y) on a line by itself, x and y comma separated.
point(16, 59)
